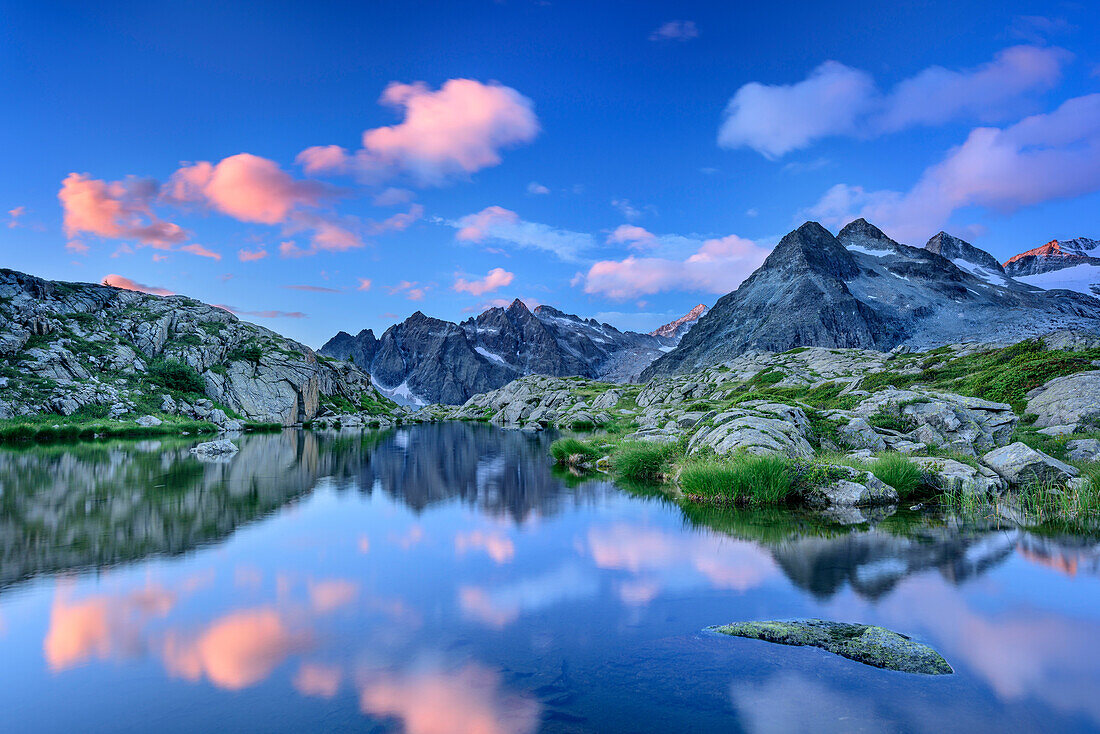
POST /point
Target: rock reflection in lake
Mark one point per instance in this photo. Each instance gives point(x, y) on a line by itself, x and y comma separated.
point(445, 579)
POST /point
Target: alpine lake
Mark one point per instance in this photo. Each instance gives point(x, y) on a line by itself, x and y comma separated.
point(448, 578)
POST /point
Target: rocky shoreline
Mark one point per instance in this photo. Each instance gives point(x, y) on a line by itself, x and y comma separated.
point(846, 410)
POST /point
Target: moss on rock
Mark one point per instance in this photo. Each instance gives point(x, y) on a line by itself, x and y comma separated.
point(876, 646)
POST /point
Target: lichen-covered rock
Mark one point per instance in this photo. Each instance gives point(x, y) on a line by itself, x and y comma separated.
point(1083, 449)
point(754, 433)
point(1019, 464)
point(944, 419)
point(1073, 399)
point(148, 421)
point(855, 488)
point(953, 476)
point(857, 433)
point(867, 644)
point(215, 448)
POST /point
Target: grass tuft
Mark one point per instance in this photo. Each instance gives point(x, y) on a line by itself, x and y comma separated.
point(739, 479)
point(572, 451)
point(643, 461)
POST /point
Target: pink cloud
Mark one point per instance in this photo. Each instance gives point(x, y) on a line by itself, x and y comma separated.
point(496, 278)
point(364, 284)
point(236, 651)
point(331, 594)
point(436, 701)
point(247, 256)
point(319, 681)
point(196, 249)
point(718, 266)
point(398, 222)
point(412, 290)
point(113, 210)
point(246, 187)
point(632, 236)
point(498, 547)
point(456, 130)
point(324, 158)
point(505, 226)
point(261, 314)
point(117, 281)
point(475, 227)
point(15, 214)
point(100, 627)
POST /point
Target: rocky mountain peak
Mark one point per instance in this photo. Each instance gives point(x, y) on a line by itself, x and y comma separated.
point(518, 306)
point(812, 247)
point(1059, 265)
point(863, 290)
point(965, 255)
point(679, 327)
point(862, 228)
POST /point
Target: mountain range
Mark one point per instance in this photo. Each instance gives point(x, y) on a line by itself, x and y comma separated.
point(862, 289)
point(427, 360)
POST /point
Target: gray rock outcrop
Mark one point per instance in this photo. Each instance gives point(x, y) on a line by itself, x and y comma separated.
point(1070, 400)
point(68, 346)
point(1018, 464)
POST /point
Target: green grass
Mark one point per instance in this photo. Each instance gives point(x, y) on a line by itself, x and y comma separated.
point(259, 427)
point(1042, 508)
point(176, 376)
point(892, 468)
point(823, 428)
point(891, 421)
point(46, 429)
point(899, 472)
point(572, 451)
point(643, 461)
point(739, 479)
point(248, 353)
point(1002, 375)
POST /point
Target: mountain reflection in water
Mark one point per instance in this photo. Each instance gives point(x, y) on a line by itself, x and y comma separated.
point(446, 579)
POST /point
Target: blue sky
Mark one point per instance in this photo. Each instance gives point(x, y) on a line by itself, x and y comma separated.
point(618, 160)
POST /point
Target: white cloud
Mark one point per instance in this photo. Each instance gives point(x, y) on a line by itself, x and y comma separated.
point(537, 189)
point(1041, 158)
point(839, 100)
point(675, 30)
point(497, 224)
point(774, 120)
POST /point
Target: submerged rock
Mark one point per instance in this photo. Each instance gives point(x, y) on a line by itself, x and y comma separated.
point(223, 447)
point(876, 646)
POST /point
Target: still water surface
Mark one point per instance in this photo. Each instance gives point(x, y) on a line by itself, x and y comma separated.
point(439, 579)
